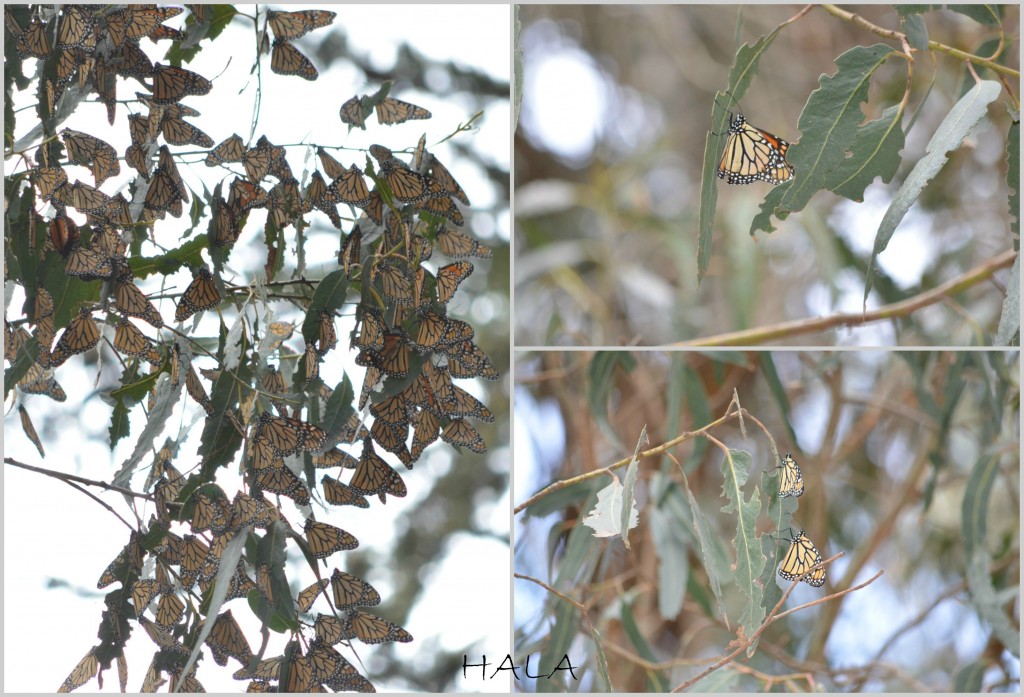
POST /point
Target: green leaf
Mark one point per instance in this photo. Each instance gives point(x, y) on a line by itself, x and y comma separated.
point(329, 295)
point(742, 72)
point(673, 562)
point(916, 31)
point(771, 376)
point(750, 560)
point(976, 504)
point(715, 564)
point(1013, 175)
point(829, 125)
point(643, 648)
point(969, 678)
point(875, 153)
point(958, 124)
point(601, 382)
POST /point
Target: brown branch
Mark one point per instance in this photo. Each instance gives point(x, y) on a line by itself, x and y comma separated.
point(562, 484)
point(859, 21)
point(761, 335)
point(81, 480)
point(773, 617)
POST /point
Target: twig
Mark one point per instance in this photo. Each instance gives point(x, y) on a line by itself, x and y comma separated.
point(773, 617)
point(75, 478)
point(760, 335)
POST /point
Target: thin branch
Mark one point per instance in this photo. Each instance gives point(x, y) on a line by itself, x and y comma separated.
point(761, 335)
point(773, 617)
point(75, 478)
point(933, 45)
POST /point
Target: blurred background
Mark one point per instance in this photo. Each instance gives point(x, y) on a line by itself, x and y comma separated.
point(609, 150)
point(439, 557)
point(901, 454)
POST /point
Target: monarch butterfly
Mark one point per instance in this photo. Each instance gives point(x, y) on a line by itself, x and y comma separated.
point(459, 432)
point(49, 180)
point(85, 149)
point(429, 332)
point(283, 481)
point(85, 198)
point(324, 540)
point(328, 629)
point(32, 41)
point(791, 481)
point(330, 667)
point(81, 335)
point(300, 674)
point(127, 562)
point(82, 672)
point(457, 332)
point(466, 360)
point(171, 84)
point(395, 279)
point(285, 59)
point(332, 167)
point(426, 428)
point(352, 113)
point(246, 195)
point(752, 154)
point(308, 595)
point(392, 360)
point(129, 300)
point(371, 629)
point(193, 558)
point(312, 363)
point(371, 330)
point(292, 25)
point(375, 476)
point(289, 436)
point(440, 205)
point(230, 150)
point(262, 454)
point(392, 111)
point(108, 241)
point(134, 23)
point(351, 591)
point(39, 380)
point(144, 590)
point(439, 380)
point(285, 202)
point(115, 212)
point(406, 185)
point(226, 639)
point(248, 510)
point(201, 294)
point(273, 383)
point(370, 380)
point(441, 174)
point(319, 196)
point(339, 494)
point(392, 410)
point(801, 556)
point(267, 669)
point(240, 583)
point(131, 342)
point(456, 245)
point(88, 264)
point(465, 404)
point(209, 513)
point(178, 131)
point(163, 194)
point(132, 61)
point(351, 248)
point(375, 208)
point(169, 610)
point(392, 438)
point(75, 26)
point(449, 277)
point(335, 458)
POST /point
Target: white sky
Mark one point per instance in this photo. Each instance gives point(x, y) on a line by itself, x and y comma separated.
point(47, 630)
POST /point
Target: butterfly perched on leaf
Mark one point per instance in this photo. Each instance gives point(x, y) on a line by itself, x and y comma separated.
point(801, 556)
point(791, 481)
point(752, 154)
